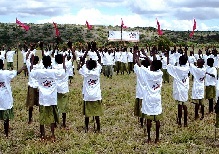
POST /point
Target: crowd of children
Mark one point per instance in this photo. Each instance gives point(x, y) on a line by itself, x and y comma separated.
point(48, 81)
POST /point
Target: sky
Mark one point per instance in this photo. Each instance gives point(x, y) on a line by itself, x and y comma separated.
point(177, 15)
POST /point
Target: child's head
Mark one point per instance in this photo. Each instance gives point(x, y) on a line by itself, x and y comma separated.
point(145, 63)
point(156, 65)
point(47, 61)
point(210, 62)
point(1, 64)
point(91, 64)
point(183, 60)
point(36, 60)
point(200, 63)
point(68, 57)
point(59, 59)
point(191, 53)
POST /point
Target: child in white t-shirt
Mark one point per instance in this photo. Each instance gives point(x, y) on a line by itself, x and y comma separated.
point(124, 61)
point(108, 57)
point(92, 98)
point(117, 55)
point(6, 99)
point(198, 88)
point(139, 89)
point(151, 103)
point(180, 86)
point(130, 61)
point(210, 83)
point(47, 85)
point(10, 58)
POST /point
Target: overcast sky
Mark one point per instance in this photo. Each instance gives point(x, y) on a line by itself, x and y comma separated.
point(172, 14)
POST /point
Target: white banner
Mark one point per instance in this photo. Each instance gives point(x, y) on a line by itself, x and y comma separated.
point(126, 36)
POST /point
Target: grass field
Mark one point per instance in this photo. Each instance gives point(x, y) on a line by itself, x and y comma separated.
point(120, 130)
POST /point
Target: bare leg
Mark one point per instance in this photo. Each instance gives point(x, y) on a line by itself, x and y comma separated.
point(149, 129)
point(157, 131)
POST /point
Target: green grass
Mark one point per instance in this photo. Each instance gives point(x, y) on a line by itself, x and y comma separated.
point(120, 130)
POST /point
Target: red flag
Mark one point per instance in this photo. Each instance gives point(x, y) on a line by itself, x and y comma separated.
point(193, 30)
point(122, 24)
point(194, 26)
point(56, 29)
point(26, 27)
point(159, 31)
point(88, 25)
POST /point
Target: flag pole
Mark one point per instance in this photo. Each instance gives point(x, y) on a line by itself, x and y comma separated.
point(17, 44)
point(121, 32)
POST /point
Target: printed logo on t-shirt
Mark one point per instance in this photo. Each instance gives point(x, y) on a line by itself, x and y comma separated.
point(2, 84)
point(92, 82)
point(156, 86)
point(48, 83)
point(184, 79)
point(202, 79)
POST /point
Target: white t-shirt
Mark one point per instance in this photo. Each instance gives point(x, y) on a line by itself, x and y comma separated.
point(177, 55)
point(191, 59)
point(180, 82)
point(164, 62)
point(205, 57)
point(24, 54)
point(216, 61)
point(10, 56)
point(48, 53)
point(198, 88)
point(91, 83)
point(217, 89)
point(172, 58)
point(6, 99)
point(197, 56)
point(92, 55)
point(47, 84)
point(108, 58)
point(139, 86)
point(2, 55)
point(62, 83)
point(117, 56)
point(32, 82)
point(152, 83)
point(130, 57)
point(69, 67)
point(209, 80)
point(124, 57)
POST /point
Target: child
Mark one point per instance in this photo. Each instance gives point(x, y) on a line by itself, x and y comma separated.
point(151, 103)
point(47, 85)
point(9, 56)
point(139, 91)
point(180, 86)
point(117, 55)
point(130, 61)
point(32, 92)
point(164, 67)
point(198, 88)
point(108, 62)
point(210, 83)
point(62, 89)
point(124, 60)
point(6, 99)
point(91, 90)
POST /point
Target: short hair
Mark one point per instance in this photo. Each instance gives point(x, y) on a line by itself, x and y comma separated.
point(59, 58)
point(1, 64)
point(36, 59)
point(145, 63)
point(210, 62)
point(91, 64)
point(183, 60)
point(157, 64)
point(47, 61)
